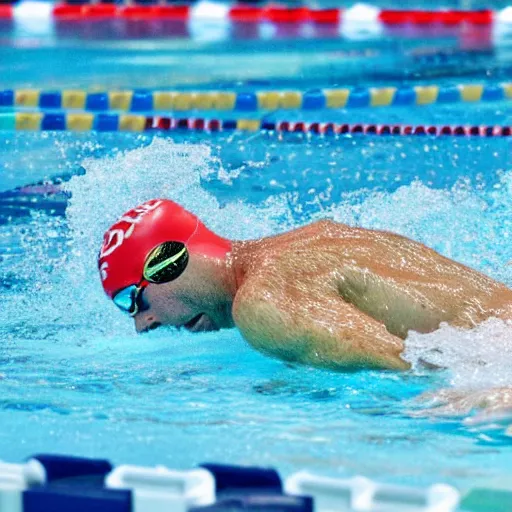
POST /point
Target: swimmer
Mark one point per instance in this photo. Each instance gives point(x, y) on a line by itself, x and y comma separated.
point(325, 295)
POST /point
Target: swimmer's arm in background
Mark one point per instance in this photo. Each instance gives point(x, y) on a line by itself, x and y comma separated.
point(313, 328)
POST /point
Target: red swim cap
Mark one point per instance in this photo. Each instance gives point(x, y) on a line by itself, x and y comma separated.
point(129, 241)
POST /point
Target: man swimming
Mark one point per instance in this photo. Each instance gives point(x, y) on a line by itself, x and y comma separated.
point(326, 295)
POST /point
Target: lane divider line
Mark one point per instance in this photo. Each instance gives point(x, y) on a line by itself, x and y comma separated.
point(207, 10)
point(269, 100)
point(38, 121)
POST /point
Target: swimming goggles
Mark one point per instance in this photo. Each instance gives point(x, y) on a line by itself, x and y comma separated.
point(163, 264)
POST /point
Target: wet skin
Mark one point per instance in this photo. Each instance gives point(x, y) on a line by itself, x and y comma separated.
point(327, 295)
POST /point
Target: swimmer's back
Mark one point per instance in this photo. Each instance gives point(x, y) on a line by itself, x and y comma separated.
point(393, 279)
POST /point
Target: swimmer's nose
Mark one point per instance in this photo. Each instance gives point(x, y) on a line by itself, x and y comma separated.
point(145, 323)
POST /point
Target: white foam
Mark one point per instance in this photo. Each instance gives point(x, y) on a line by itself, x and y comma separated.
point(475, 359)
point(504, 15)
point(33, 10)
point(360, 22)
point(457, 222)
point(113, 185)
point(34, 18)
point(209, 21)
point(361, 13)
point(206, 10)
point(64, 286)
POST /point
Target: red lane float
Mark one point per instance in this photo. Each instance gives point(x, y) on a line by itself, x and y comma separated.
point(394, 17)
point(272, 13)
point(6, 11)
point(65, 11)
point(215, 125)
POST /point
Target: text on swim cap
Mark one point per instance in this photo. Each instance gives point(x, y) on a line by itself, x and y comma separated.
point(103, 270)
point(115, 237)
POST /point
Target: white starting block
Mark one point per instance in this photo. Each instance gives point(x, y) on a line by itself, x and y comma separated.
point(14, 479)
point(162, 490)
point(360, 494)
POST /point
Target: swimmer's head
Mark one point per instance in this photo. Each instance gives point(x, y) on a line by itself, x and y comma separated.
point(149, 251)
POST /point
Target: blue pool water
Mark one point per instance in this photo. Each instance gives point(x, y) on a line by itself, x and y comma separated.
point(74, 377)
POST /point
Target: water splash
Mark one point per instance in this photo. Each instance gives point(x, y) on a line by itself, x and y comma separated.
point(470, 225)
point(476, 358)
point(463, 222)
point(112, 185)
point(476, 365)
point(466, 224)
point(163, 169)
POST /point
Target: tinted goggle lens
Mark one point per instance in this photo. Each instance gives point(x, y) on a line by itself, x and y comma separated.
point(131, 300)
point(166, 262)
point(125, 299)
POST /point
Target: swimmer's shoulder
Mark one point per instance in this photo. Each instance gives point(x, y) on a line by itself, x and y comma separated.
point(256, 316)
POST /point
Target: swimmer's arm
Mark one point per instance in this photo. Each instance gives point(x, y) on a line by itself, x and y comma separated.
point(313, 328)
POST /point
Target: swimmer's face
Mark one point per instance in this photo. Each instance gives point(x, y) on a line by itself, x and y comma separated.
point(187, 302)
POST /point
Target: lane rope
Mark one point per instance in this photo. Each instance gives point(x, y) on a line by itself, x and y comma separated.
point(267, 100)
point(38, 121)
point(206, 10)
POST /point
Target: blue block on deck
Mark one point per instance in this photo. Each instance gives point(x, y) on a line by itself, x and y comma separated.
point(58, 466)
point(493, 93)
point(7, 98)
point(313, 100)
point(50, 100)
point(97, 101)
point(142, 101)
point(75, 484)
point(70, 498)
point(359, 98)
point(251, 489)
point(448, 95)
point(404, 96)
point(246, 101)
point(242, 479)
point(106, 123)
point(53, 122)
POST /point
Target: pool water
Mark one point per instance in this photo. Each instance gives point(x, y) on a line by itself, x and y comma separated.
point(76, 379)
